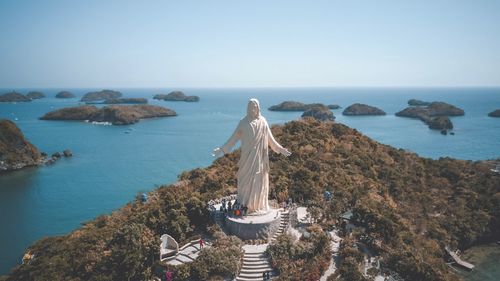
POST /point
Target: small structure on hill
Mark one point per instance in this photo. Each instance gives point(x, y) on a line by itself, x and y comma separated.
point(347, 222)
point(169, 247)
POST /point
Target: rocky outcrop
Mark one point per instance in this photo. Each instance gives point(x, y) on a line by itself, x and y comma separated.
point(495, 113)
point(176, 96)
point(35, 95)
point(415, 102)
point(362, 109)
point(334, 106)
point(16, 151)
point(126, 101)
point(321, 113)
point(57, 155)
point(65, 95)
point(114, 114)
point(100, 95)
point(293, 106)
point(14, 97)
point(67, 153)
point(440, 123)
point(434, 109)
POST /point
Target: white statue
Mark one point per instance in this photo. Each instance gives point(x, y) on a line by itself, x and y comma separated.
point(253, 173)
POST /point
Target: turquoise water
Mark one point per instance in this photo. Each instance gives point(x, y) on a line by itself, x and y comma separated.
point(110, 167)
point(486, 258)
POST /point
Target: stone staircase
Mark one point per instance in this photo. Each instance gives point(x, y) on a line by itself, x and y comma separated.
point(255, 263)
point(285, 220)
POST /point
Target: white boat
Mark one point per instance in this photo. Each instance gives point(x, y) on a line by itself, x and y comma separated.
point(496, 169)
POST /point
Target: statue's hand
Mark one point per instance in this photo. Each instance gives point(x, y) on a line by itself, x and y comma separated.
point(285, 152)
point(217, 152)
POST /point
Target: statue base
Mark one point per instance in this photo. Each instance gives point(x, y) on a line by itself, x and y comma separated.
point(254, 226)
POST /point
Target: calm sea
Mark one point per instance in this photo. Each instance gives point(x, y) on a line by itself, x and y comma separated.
point(111, 164)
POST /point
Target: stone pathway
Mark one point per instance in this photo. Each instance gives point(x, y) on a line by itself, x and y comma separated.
point(335, 245)
point(187, 253)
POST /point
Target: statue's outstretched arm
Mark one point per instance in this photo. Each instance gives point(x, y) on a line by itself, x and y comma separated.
point(275, 146)
point(226, 148)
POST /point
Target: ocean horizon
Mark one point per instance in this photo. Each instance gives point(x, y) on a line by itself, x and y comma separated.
point(112, 164)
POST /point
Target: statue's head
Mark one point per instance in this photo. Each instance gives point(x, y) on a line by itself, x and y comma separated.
point(253, 108)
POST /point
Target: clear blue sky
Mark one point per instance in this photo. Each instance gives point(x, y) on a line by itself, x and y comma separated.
point(235, 43)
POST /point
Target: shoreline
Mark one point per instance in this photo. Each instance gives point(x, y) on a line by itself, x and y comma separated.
point(486, 259)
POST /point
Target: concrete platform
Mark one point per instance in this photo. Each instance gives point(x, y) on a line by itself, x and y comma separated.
point(254, 226)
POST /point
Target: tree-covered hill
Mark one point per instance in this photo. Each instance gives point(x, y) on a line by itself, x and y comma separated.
point(411, 208)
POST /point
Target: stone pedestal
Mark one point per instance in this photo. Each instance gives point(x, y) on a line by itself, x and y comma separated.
point(254, 226)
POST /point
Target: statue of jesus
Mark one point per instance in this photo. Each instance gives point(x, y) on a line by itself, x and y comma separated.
point(253, 173)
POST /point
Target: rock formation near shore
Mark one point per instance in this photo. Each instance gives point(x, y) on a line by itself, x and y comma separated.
point(176, 96)
point(429, 113)
point(114, 114)
point(100, 95)
point(65, 95)
point(320, 112)
point(35, 95)
point(495, 113)
point(126, 101)
point(14, 97)
point(16, 151)
point(362, 109)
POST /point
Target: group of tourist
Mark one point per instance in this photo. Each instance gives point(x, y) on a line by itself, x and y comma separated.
point(287, 204)
point(219, 200)
point(235, 208)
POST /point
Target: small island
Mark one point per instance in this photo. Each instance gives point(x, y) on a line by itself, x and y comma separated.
point(359, 109)
point(176, 96)
point(435, 115)
point(14, 97)
point(495, 113)
point(294, 106)
point(126, 101)
point(100, 95)
point(35, 95)
point(114, 114)
point(334, 106)
point(320, 112)
point(16, 152)
point(65, 95)
point(415, 102)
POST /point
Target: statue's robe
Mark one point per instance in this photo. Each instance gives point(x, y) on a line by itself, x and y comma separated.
point(253, 166)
